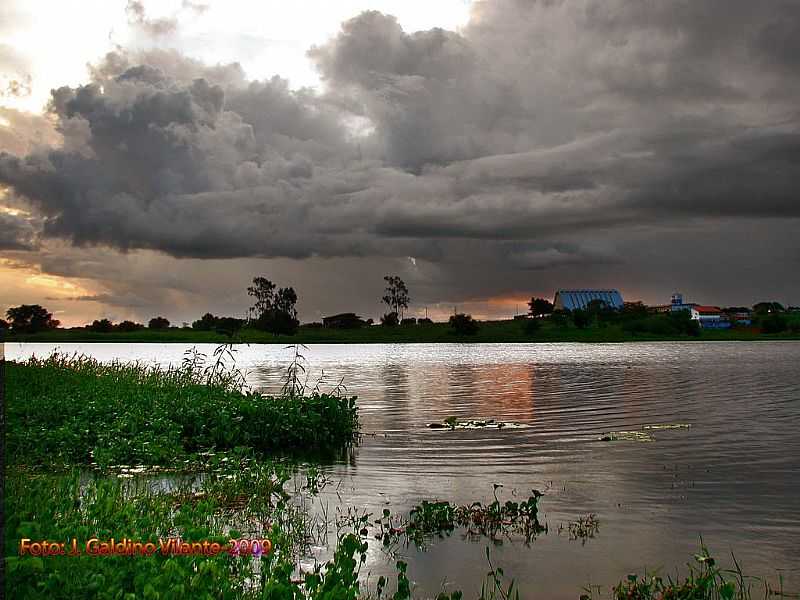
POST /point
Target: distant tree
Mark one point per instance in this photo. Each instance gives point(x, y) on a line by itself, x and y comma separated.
point(539, 306)
point(396, 296)
point(275, 309)
point(634, 308)
point(409, 321)
point(205, 323)
point(30, 318)
point(3, 325)
point(158, 323)
point(390, 319)
point(735, 309)
point(581, 318)
point(263, 290)
point(464, 324)
point(767, 307)
point(228, 325)
point(101, 326)
point(424, 321)
point(286, 301)
point(128, 326)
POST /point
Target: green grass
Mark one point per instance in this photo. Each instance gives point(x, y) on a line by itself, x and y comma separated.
point(77, 411)
point(489, 331)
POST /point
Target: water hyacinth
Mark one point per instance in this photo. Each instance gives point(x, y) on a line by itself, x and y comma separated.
point(81, 411)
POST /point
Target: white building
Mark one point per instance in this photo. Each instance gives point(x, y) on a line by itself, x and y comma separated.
point(710, 317)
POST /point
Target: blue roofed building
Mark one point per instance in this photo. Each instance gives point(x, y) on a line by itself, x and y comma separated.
point(580, 299)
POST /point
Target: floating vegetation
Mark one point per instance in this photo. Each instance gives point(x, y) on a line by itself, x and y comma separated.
point(83, 412)
point(627, 436)
point(705, 581)
point(495, 521)
point(584, 528)
point(642, 435)
point(452, 423)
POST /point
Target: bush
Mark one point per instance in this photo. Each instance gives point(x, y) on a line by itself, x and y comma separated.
point(464, 324)
point(424, 321)
point(409, 321)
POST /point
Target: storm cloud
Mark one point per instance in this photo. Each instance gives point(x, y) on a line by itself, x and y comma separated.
point(545, 130)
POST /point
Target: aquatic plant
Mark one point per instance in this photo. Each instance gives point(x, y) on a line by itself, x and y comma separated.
point(705, 580)
point(584, 528)
point(431, 519)
point(81, 411)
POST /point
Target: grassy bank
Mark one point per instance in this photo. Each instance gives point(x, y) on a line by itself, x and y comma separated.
point(80, 412)
point(488, 332)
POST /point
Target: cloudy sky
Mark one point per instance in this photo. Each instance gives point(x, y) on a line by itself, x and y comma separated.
point(155, 156)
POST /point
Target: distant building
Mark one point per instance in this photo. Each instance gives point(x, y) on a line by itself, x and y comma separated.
point(580, 299)
point(677, 303)
point(344, 321)
point(739, 316)
point(710, 317)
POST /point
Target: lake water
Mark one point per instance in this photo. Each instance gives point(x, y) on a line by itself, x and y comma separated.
point(733, 477)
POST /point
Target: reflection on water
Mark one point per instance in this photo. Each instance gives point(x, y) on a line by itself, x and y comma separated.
point(732, 477)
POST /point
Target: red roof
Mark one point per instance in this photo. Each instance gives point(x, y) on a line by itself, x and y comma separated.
point(708, 310)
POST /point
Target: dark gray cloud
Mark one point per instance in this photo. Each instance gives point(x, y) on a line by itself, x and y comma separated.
point(535, 140)
point(16, 232)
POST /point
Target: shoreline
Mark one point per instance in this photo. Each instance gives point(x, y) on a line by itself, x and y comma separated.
point(501, 332)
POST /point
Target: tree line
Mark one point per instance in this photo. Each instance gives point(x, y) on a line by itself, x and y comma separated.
point(274, 310)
